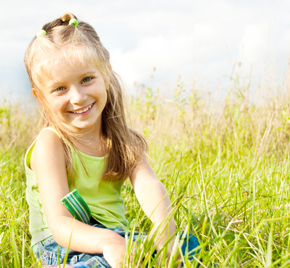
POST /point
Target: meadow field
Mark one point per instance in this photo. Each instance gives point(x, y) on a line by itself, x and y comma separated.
point(225, 164)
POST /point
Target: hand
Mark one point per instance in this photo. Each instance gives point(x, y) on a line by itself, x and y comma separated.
point(114, 252)
point(134, 251)
point(170, 250)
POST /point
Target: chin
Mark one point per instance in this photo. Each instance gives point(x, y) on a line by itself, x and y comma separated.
point(84, 127)
point(76, 128)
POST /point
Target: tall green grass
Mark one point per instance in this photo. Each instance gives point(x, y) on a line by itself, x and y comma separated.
point(224, 163)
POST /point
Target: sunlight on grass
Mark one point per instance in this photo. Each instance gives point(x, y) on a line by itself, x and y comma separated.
point(225, 165)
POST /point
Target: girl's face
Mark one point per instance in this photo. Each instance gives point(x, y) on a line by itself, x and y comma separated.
point(76, 94)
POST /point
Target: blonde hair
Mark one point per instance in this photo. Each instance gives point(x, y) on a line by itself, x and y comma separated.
point(124, 145)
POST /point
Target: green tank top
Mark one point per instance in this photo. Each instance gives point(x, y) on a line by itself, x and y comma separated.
point(103, 198)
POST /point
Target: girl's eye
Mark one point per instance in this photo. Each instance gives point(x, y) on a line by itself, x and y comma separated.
point(59, 89)
point(87, 79)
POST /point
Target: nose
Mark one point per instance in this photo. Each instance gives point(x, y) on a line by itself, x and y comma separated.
point(77, 95)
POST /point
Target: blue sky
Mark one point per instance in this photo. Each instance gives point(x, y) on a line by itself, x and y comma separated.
point(202, 41)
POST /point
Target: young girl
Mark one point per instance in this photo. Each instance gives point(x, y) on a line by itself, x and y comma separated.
point(86, 145)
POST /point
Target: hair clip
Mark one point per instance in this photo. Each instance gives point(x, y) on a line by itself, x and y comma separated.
point(73, 21)
point(41, 33)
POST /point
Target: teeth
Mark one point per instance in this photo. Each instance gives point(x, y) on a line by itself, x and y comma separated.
point(82, 111)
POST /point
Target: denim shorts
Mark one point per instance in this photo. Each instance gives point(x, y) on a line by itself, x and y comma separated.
point(50, 252)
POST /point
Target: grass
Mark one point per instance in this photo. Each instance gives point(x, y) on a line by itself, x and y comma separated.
point(225, 165)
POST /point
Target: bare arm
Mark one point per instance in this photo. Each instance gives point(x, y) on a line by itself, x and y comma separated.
point(48, 162)
point(154, 200)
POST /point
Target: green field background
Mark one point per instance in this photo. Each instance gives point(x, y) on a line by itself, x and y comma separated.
point(225, 164)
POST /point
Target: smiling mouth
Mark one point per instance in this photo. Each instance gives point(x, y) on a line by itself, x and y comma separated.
point(83, 110)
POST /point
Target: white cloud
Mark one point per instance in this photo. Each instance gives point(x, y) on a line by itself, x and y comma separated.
point(191, 38)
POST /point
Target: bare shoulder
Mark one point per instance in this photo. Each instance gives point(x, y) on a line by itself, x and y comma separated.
point(48, 148)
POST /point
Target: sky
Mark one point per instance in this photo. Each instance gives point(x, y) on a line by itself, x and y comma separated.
point(186, 42)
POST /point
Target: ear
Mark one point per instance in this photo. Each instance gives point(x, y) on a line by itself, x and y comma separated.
point(34, 92)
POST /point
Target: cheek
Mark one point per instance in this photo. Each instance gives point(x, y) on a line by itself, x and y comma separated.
point(57, 105)
point(101, 94)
